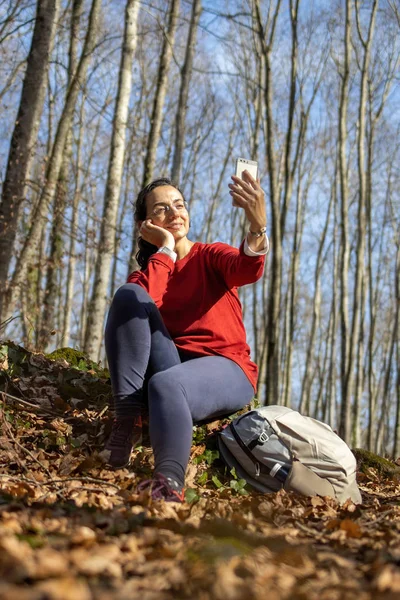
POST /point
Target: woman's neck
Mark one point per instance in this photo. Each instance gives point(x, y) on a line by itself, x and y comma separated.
point(182, 247)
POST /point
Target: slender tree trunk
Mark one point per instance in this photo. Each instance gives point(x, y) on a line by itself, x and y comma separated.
point(331, 387)
point(161, 90)
point(186, 73)
point(273, 379)
point(295, 261)
point(157, 111)
point(56, 239)
point(359, 382)
point(55, 161)
point(344, 424)
point(359, 275)
point(70, 280)
point(24, 137)
point(309, 369)
point(396, 441)
point(98, 303)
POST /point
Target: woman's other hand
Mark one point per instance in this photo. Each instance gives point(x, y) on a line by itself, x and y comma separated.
point(158, 236)
point(248, 194)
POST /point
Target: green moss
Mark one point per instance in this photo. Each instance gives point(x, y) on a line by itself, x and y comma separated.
point(367, 459)
point(79, 360)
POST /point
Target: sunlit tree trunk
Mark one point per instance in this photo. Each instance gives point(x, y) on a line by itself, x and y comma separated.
point(360, 254)
point(157, 110)
point(310, 365)
point(54, 262)
point(55, 161)
point(186, 73)
point(344, 424)
point(24, 137)
point(99, 299)
point(273, 380)
point(396, 440)
point(160, 92)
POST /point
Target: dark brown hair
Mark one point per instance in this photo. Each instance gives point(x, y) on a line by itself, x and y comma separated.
point(145, 248)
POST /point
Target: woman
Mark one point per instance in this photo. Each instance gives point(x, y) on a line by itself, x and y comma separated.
point(175, 335)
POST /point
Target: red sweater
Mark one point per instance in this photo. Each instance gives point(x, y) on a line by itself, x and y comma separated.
point(198, 299)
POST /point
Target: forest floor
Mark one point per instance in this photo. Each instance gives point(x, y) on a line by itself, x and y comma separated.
point(72, 530)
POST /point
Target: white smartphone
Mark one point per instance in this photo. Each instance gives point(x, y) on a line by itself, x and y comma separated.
point(244, 164)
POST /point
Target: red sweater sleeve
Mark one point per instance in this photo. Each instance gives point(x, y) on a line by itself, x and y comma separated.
point(155, 277)
point(235, 266)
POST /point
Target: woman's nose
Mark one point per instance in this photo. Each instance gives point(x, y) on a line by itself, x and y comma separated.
point(172, 210)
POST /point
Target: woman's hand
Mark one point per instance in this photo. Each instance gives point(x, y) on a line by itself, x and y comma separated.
point(249, 195)
point(156, 235)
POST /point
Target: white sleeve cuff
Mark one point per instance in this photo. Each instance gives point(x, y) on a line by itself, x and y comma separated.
point(164, 250)
point(247, 250)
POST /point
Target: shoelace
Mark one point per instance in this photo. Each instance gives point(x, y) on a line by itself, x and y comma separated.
point(160, 489)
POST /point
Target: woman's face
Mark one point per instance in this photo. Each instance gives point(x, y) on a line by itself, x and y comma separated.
point(166, 208)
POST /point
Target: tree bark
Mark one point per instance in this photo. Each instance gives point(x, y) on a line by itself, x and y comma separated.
point(161, 90)
point(359, 275)
point(273, 377)
point(24, 137)
point(56, 238)
point(309, 368)
point(55, 161)
point(186, 73)
point(99, 299)
point(344, 424)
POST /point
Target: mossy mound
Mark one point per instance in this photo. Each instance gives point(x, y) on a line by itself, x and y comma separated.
point(78, 360)
point(65, 373)
point(383, 466)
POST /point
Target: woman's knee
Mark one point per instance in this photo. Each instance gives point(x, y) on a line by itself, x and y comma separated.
point(130, 292)
point(163, 386)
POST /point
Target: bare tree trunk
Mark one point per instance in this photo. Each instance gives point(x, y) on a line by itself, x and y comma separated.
point(396, 440)
point(308, 373)
point(359, 275)
point(70, 280)
point(56, 239)
point(156, 116)
point(359, 382)
point(330, 417)
point(98, 303)
point(55, 161)
point(273, 379)
point(291, 308)
point(186, 73)
point(344, 424)
point(25, 134)
point(161, 89)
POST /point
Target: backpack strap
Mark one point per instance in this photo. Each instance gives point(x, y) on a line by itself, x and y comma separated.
point(245, 449)
point(258, 441)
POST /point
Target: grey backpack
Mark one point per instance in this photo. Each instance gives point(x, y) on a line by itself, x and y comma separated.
point(275, 447)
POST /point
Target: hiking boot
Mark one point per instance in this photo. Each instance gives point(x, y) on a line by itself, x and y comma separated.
point(126, 433)
point(162, 488)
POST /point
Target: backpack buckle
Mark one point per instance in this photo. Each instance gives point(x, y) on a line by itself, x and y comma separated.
point(263, 437)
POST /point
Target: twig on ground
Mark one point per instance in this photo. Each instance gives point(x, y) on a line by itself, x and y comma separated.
point(29, 404)
point(83, 480)
point(56, 481)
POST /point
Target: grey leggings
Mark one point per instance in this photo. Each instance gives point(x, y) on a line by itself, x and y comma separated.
point(145, 366)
